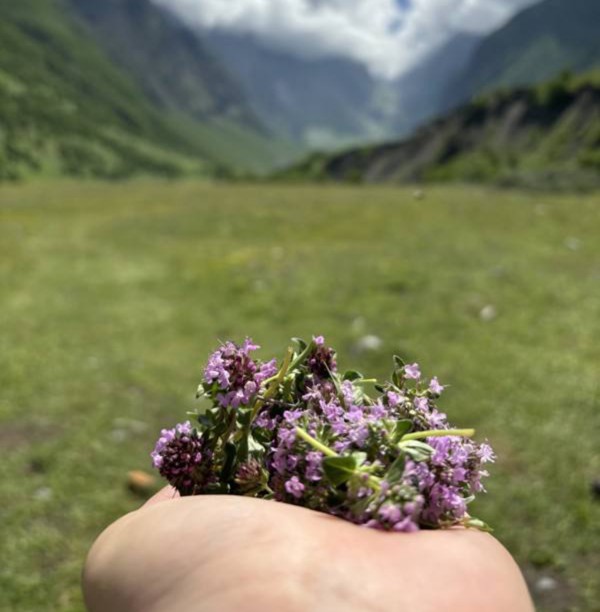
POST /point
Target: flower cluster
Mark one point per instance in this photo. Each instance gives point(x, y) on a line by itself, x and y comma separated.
point(233, 376)
point(178, 456)
point(302, 433)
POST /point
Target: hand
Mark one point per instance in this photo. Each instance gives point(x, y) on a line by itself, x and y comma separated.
point(226, 553)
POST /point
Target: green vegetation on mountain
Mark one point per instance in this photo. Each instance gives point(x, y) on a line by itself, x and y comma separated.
point(67, 108)
point(536, 45)
point(180, 75)
point(165, 58)
point(545, 136)
point(64, 109)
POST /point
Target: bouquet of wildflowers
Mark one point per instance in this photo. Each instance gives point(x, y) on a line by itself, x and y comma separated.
point(303, 433)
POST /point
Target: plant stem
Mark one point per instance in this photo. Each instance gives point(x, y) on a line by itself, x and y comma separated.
point(438, 433)
point(315, 443)
point(275, 382)
point(373, 481)
point(303, 355)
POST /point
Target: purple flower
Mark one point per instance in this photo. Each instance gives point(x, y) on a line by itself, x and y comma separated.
point(395, 399)
point(236, 374)
point(412, 371)
point(321, 362)
point(486, 454)
point(406, 525)
point(378, 411)
point(421, 404)
point(294, 487)
point(286, 437)
point(177, 456)
point(314, 460)
point(435, 387)
point(291, 416)
point(436, 420)
point(283, 462)
point(279, 462)
point(390, 513)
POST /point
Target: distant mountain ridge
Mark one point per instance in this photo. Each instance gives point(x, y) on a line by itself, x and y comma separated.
point(327, 103)
point(319, 103)
point(535, 45)
point(422, 92)
point(546, 136)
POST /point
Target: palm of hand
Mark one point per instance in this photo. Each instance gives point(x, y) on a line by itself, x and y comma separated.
point(206, 554)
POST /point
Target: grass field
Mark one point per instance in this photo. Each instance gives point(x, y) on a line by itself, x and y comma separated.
point(112, 297)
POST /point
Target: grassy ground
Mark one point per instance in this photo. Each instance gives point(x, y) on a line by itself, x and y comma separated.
point(112, 296)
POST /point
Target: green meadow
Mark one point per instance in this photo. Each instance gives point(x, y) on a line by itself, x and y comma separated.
point(112, 296)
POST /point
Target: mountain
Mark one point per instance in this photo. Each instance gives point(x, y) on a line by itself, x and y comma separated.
point(325, 103)
point(179, 74)
point(422, 92)
point(167, 60)
point(110, 89)
point(545, 136)
point(65, 109)
point(317, 102)
point(537, 44)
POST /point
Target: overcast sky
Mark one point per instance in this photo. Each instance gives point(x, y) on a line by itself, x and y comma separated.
point(388, 36)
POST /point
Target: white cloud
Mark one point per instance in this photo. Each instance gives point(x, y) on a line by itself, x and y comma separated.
point(382, 34)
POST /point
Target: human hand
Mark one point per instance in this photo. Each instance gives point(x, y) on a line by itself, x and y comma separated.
point(226, 553)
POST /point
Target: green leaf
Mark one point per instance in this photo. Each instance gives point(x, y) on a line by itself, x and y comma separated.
point(397, 378)
point(379, 388)
point(416, 450)
point(396, 470)
point(339, 470)
point(398, 362)
point(201, 392)
point(254, 446)
point(230, 452)
point(400, 429)
point(352, 375)
point(243, 416)
point(301, 344)
point(206, 419)
point(360, 458)
point(359, 507)
point(475, 523)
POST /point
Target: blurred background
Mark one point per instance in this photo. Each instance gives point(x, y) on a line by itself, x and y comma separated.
point(419, 177)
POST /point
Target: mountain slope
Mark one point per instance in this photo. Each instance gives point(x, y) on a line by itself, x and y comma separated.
point(165, 58)
point(65, 109)
point(69, 105)
point(422, 91)
point(547, 136)
point(178, 73)
point(534, 46)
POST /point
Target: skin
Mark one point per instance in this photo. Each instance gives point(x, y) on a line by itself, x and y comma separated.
point(225, 553)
